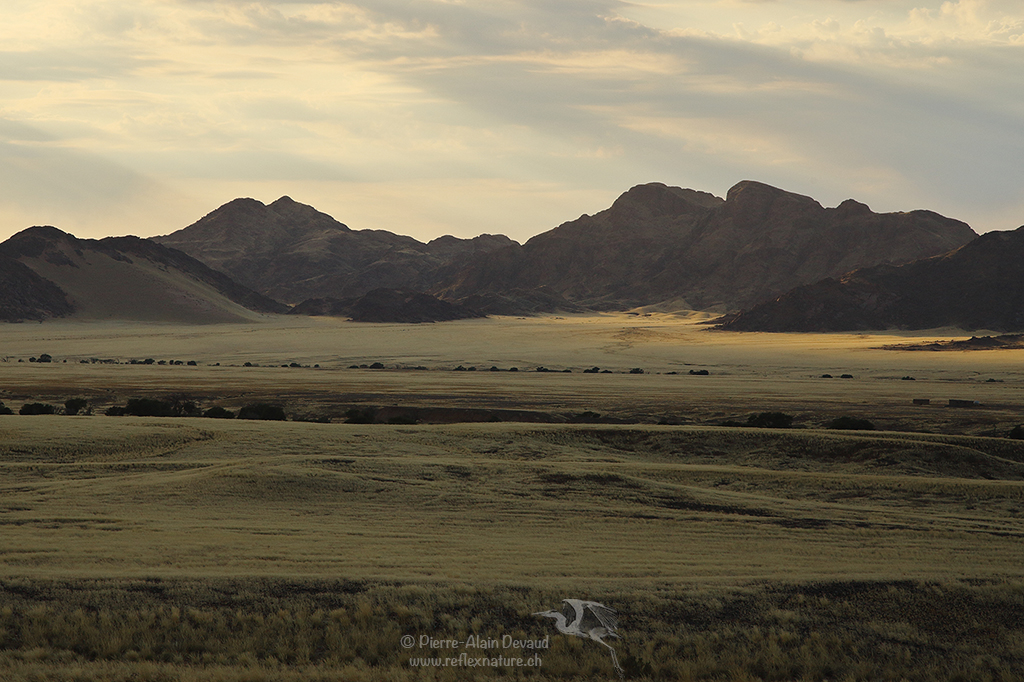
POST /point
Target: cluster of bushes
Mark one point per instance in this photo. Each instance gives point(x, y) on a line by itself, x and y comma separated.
point(177, 407)
point(71, 408)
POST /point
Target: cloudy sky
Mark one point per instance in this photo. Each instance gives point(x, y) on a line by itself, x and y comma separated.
point(427, 117)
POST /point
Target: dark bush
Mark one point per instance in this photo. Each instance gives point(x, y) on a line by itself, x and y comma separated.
point(513, 369)
point(192, 363)
point(1017, 432)
point(845, 376)
point(147, 407)
point(770, 420)
point(262, 411)
point(37, 408)
point(75, 405)
point(636, 370)
point(219, 412)
point(366, 415)
point(826, 376)
point(45, 357)
point(114, 411)
point(851, 423)
point(5, 410)
point(592, 370)
point(699, 372)
point(377, 365)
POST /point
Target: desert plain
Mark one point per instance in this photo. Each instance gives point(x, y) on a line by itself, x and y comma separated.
point(193, 548)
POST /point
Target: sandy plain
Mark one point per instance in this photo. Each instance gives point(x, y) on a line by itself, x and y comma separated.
point(746, 371)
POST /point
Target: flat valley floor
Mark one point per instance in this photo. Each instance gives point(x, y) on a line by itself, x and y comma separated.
point(195, 549)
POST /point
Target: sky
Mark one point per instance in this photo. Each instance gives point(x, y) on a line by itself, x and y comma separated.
point(431, 117)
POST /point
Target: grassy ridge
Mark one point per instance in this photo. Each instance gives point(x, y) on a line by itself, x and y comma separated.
point(138, 549)
point(279, 629)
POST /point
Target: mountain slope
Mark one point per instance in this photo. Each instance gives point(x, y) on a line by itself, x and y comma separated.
point(658, 243)
point(387, 305)
point(118, 278)
point(291, 252)
point(978, 286)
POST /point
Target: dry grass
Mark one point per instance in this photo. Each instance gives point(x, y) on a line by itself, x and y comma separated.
point(198, 549)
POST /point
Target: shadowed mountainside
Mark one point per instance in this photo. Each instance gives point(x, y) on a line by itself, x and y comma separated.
point(978, 286)
point(291, 252)
point(387, 305)
point(658, 243)
point(45, 272)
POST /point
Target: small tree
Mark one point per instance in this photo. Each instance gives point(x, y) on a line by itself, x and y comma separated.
point(147, 407)
point(1017, 432)
point(262, 411)
point(75, 405)
point(5, 410)
point(37, 408)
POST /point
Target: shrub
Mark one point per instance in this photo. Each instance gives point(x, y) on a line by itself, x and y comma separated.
point(770, 420)
point(1017, 433)
point(636, 370)
point(377, 365)
point(147, 407)
point(219, 412)
point(5, 410)
point(262, 411)
point(115, 411)
point(699, 372)
point(75, 405)
point(367, 415)
point(37, 408)
point(851, 423)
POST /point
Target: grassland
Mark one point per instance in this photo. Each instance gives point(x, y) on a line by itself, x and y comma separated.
point(201, 549)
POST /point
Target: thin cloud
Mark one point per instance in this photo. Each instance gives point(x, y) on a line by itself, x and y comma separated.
point(901, 103)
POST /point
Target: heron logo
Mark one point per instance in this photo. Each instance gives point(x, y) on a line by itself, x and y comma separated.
point(587, 619)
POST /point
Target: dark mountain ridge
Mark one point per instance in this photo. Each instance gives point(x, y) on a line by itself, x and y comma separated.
point(658, 243)
point(290, 251)
point(978, 286)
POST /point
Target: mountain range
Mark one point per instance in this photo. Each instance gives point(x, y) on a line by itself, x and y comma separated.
point(761, 250)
